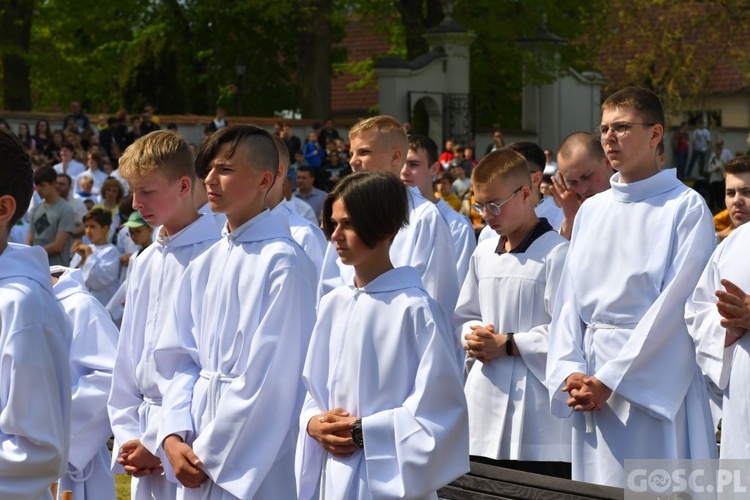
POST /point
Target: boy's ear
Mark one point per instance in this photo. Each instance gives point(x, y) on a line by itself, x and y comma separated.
point(7, 209)
point(434, 169)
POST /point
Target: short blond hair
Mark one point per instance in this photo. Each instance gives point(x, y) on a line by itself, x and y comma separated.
point(505, 163)
point(385, 126)
point(164, 151)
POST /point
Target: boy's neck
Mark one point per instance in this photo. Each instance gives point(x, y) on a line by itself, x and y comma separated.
point(182, 218)
point(99, 243)
point(428, 193)
point(52, 197)
point(236, 220)
point(522, 232)
point(380, 263)
point(639, 173)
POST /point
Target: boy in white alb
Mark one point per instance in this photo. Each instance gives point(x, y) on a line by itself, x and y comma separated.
point(306, 234)
point(160, 171)
point(380, 143)
point(231, 356)
point(34, 341)
point(503, 313)
point(636, 253)
point(718, 318)
point(92, 357)
point(99, 261)
point(421, 166)
point(385, 415)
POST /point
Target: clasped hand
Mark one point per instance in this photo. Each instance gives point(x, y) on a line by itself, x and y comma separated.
point(333, 431)
point(586, 393)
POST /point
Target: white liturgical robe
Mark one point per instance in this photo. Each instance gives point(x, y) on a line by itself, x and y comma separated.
point(35, 382)
point(464, 239)
point(635, 256)
point(135, 399)
point(384, 354)
point(307, 235)
point(728, 368)
point(424, 244)
point(101, 271)
point(509, 415)
point(232, 357)
point(92, 357)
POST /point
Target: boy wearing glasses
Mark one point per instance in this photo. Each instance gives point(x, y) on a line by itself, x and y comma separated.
point(503, 313)
point(621, 363)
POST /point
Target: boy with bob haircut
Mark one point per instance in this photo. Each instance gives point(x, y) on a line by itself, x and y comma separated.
point(614, 328)
point(503, 313)
point(231, 356)
point(34, 339)
point(380, 143)
point(160, 172)
point(384, 415)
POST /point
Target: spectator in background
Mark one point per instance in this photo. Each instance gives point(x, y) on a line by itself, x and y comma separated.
point(68, 164)
point(716, 176)
point(79, 120)
point(327, 133)
point(497, 141)
point(293, 144)
point(469, 162)
point(64, 183)
point(701, 140)
point(681, 149)
point(461, 183)
point(24, 134)
point(444, 190)
point(307, 192)
point(53, 222)
point(94, 170)
point(447, 154)
point(99, 261)
point(220, 120)
point(42, 136)
point(149, 122)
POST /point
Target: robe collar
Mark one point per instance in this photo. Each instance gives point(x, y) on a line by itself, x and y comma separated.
point(202, 229)
point(632, 192)
point(396, 279)
point(69, 283)
point(264, 226)
point(541, 227)
point(26, 262)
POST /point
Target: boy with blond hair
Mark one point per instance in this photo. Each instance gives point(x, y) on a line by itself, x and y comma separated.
point(503, 314)
point(160, 173)
point(34, 340)
point(232, 353)
point(380, 143)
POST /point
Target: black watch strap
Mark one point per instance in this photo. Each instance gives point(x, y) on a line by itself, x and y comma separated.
point(509, 343)
point(357, 435)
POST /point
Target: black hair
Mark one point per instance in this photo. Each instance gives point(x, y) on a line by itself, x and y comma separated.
point(45, 174)
point(532, 152)
point(417, 142)
point(262, 148)
point(16, 174)
point(376, 202)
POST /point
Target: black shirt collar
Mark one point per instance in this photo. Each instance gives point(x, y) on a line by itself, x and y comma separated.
point(541, 227)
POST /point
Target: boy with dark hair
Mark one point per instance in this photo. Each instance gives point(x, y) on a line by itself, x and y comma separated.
point(503, 313)
point(34, 340)
point(420, 167)
point(100, 261)
point(68, 164)
point(384, 415)
point(737, 193)
point(51, 223)
point(232, 352)
point(160, 172)
point(614, 328)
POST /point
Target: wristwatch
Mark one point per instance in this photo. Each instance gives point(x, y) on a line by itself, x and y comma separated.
point(509, 343)
point(357, 436)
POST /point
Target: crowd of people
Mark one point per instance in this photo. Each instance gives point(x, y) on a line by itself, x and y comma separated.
point(401, 312)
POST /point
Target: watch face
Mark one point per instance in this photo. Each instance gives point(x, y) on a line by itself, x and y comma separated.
point(357, 434)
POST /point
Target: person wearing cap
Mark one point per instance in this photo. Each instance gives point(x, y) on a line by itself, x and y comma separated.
point(140, 232)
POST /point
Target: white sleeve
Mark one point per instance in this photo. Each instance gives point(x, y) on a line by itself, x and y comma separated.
point(101, 268)
point(92, 353)
point(414, 449)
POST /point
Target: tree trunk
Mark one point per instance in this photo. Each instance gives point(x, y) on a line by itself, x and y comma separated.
point(314, 77)
point(15, 35)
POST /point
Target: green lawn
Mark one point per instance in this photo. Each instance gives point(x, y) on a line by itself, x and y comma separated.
point(122, 484)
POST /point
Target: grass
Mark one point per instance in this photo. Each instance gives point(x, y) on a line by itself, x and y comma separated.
point(122, 486)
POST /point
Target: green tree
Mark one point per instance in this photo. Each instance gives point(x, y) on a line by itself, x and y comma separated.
point(15, 38)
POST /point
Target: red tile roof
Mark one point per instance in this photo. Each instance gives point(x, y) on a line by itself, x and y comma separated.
point(362, 41)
